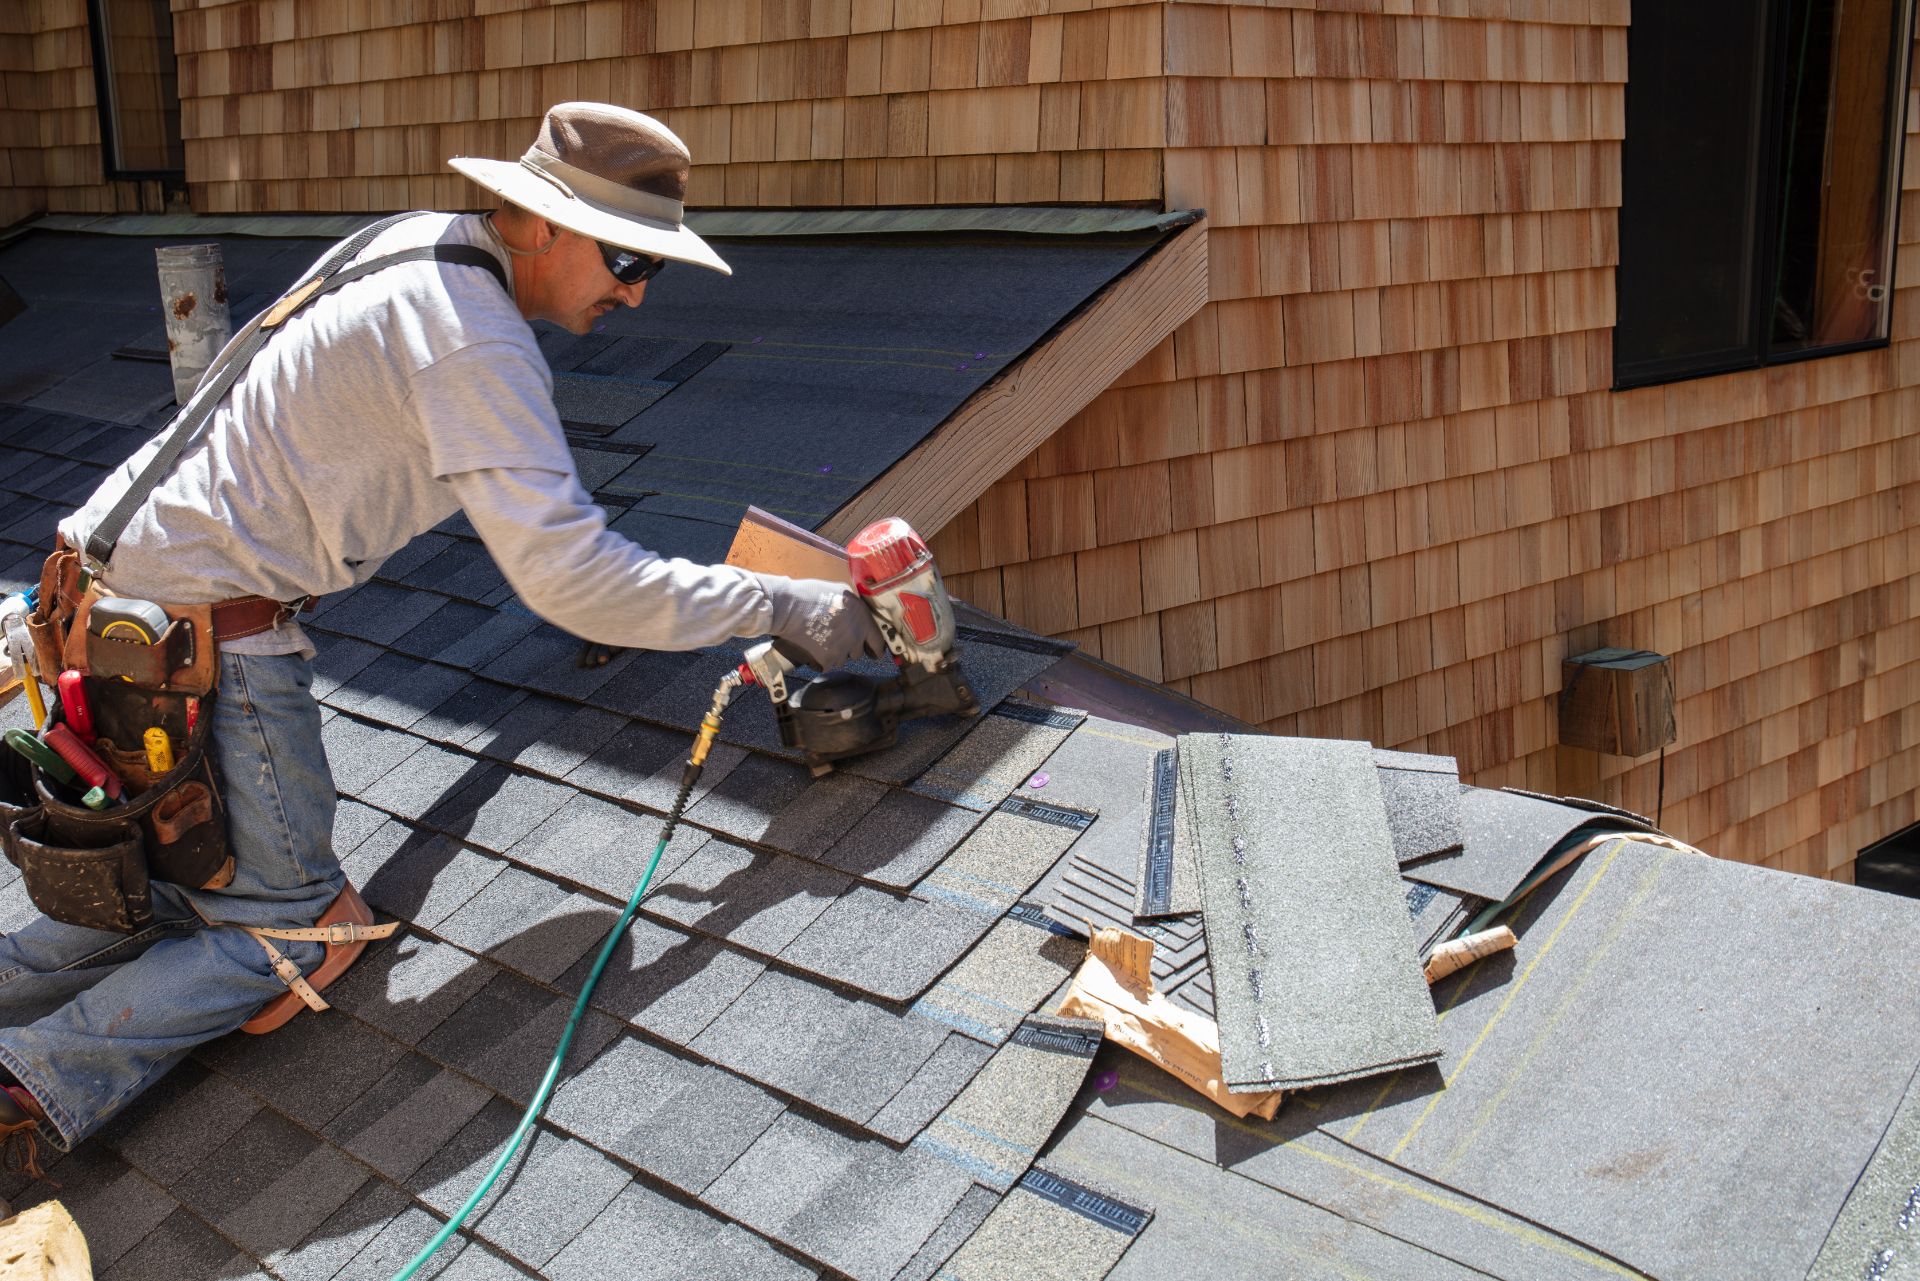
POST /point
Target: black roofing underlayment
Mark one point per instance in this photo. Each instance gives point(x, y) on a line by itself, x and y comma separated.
point(823, 1047)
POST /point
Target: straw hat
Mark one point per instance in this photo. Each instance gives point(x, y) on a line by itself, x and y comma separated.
point(608, 173)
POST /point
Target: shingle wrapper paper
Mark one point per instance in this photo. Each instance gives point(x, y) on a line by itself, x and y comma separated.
point(1314, 971)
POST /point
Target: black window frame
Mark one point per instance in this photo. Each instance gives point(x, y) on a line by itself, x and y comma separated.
point(1766, 197)
point(104, 99)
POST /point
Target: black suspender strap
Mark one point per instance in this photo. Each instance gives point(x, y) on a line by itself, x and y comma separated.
point(187, 425)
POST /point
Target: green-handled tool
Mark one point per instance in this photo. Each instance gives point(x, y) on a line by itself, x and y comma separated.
point(42, 755)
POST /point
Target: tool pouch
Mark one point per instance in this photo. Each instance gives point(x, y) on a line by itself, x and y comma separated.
point(60, 593)
point(92, 867)
point(183, 661)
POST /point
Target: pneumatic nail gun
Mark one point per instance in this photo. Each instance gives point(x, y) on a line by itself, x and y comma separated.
point(840, 714)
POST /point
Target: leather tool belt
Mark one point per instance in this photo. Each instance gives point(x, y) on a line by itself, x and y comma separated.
point(91, 867)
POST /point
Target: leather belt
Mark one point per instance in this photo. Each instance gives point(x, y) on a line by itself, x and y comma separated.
point(251, 615)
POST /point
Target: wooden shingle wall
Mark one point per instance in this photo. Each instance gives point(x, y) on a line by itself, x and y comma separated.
point(50, 158)
point(1378, 487)
point(356, 104)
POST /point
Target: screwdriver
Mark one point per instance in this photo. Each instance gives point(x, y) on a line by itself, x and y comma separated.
point(42, 755)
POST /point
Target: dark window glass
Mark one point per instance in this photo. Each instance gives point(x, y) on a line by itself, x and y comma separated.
point(137, 81)
point(1688, 215)
point(1759, 180)
point(1892, 865)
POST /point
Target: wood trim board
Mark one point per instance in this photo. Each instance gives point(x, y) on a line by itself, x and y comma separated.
point(1012, 416)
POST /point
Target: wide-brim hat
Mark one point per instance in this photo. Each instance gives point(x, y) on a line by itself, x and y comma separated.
point(610, 174)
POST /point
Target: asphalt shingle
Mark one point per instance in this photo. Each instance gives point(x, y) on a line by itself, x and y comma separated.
point(680, 1120)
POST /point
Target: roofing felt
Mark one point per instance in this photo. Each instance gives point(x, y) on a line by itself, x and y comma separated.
point(816, 1052)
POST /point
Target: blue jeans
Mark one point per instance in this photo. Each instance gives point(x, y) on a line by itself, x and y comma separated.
point(89, 1019)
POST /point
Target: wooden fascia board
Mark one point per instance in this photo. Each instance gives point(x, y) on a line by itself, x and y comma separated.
point(1012, 416)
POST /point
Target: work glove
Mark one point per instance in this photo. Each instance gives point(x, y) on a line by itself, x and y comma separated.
point(824, 621)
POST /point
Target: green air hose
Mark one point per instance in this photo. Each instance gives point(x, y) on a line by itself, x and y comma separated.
point(702, 744)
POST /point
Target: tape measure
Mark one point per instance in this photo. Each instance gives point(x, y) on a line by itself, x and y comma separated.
point(123, 618)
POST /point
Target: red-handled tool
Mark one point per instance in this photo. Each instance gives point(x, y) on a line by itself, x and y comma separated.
point(83, 760)
point(73, 701)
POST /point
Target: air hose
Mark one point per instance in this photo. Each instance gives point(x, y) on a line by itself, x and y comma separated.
point(702, 744)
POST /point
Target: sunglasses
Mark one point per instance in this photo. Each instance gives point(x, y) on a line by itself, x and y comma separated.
point(628, 267)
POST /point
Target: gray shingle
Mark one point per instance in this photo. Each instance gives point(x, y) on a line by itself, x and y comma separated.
point(336, 659)
point(407, 1116)
point(352, 824)
point(379, 613)
point(603, 846)
point(362, 754)
point(396, 690)
point(279, 1068)
point(858, 1205)
point(505, 1035)
point(418, 876)
point(564, 1186)
point(1303, 892)
point(114, 1204)
point(498, 808)
point(463, 569)
point(179, 1122)
point(846, 1056)
point(182, 1246)
point(1505, 834)
point(449, 633)
point(548, 659)
point(667, 982)
point(629, 760)
point(961, 1222)
point(331, 1246)
point(1003, 858)
point(997, 1124)
point(487, 636)
point(744, 803)
point(680, 1120)
point(752, 899)
point(429, 776)
point(408, 985)
point(998, 754)
point(1009, 973)
point(529, 924)
point(465, 715)
point(637, 682)
point(917, 946)
point(547, 736)
point(1048, 1229)
point(399, 1240)
point(1422, 794)
point(934, 1086)
point(642, 1235)
point(270, 1184)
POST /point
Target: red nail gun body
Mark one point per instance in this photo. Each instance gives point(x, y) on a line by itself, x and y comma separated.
point(843, 714)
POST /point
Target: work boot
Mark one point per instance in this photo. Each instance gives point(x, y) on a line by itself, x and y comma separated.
point(20, 1117)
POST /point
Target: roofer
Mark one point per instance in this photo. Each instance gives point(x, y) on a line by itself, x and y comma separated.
point(372, 411)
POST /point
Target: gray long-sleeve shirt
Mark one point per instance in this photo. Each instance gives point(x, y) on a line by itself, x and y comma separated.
point(375, 414)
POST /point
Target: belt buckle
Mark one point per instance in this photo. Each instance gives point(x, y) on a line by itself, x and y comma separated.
point(341, 933)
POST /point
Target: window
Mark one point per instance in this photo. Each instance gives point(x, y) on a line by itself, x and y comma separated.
point(1760, 177)
point(1892, 865)
point(137, 83)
